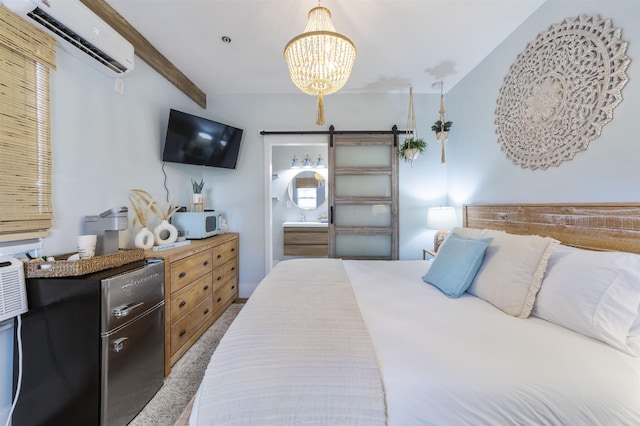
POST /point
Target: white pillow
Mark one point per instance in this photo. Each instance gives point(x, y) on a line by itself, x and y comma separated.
point(468, 232)
point(596, 294)
point(512, 271)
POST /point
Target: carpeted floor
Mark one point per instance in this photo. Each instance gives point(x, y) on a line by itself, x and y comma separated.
point(181, 385)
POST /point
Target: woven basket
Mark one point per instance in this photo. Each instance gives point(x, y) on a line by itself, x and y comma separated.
point(70, 268)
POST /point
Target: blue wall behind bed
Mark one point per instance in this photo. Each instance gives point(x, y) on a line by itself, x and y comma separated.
point(609, 170)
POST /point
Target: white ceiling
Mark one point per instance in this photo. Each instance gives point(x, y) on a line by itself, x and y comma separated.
point(400, 43)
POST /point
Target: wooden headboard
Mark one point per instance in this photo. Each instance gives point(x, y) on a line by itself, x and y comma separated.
point(593, 226)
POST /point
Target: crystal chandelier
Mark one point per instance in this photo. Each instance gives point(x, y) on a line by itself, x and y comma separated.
point(320, 59)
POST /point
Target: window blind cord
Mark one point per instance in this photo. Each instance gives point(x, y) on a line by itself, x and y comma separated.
point(19, 385)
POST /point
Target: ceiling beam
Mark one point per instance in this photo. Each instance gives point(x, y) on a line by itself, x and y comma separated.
point(145, 51)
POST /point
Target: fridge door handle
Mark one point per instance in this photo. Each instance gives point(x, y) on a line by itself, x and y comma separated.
point(119, 344)
point(124, 310)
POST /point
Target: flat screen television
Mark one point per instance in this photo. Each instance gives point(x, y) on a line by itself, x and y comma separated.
point(197, 140)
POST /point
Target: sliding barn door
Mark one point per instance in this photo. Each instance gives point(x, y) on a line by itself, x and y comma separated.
point(363, 195)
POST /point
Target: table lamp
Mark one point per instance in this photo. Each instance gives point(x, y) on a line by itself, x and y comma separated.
point(442, 219)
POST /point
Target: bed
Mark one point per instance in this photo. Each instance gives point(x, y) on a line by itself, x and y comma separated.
point(543, 329)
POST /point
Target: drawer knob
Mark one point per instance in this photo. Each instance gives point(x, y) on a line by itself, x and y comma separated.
point(206, 311)
point(182, 275)
point(206, 262)
point(233, 287)
point(183, 332)
point(233, 249)
point(184, 302)
point(219, 278)
point(219, 299)
point(233, 268)
point(219, 256)
point(206, 287)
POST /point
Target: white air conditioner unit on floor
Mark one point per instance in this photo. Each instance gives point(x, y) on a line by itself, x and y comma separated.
point(80, 32)
point(13, 293)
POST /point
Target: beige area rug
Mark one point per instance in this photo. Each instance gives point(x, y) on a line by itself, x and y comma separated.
point(181, 385)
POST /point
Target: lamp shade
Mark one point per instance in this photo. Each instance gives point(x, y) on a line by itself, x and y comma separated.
point(320, 59)
point(441, 218)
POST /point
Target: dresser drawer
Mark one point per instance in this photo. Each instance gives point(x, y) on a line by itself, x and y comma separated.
point(225, 252)
point(225, 272)
point(182, 301)
point(185, 271)
point(186, 327)
point(223, 293)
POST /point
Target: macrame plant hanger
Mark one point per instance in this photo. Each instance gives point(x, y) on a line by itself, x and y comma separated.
point(412, 130)
point(442, 136)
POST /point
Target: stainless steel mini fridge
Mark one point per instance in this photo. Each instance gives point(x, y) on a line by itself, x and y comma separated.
point(93, 346)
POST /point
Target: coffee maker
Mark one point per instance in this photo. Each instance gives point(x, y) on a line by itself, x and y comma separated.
point(107, 226)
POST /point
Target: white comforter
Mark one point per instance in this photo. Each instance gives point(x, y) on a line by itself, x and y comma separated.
point(443, 361)
point(462, 361)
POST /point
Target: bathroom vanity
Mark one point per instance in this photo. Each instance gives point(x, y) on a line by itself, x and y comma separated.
point(306, 239)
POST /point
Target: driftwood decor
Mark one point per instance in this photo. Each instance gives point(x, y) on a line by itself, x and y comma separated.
point(561, 91)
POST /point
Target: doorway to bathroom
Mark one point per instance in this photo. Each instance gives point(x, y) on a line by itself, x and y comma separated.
point(296, 185)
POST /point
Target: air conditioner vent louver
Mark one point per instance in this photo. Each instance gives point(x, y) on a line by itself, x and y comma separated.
point(13, 293)
point(69, 35)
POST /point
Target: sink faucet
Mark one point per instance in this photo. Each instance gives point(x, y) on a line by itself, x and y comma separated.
point(302, 216)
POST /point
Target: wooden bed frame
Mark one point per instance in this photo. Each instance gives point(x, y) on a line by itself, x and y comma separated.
point(593, 226)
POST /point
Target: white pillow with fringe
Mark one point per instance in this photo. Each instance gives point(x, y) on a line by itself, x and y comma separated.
point(512, 271)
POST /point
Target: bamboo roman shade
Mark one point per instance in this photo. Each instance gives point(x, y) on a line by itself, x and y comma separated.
point(26, 56)
point(306, 182)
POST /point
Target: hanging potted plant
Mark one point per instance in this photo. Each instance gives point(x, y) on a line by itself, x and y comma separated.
point(412, 145)
point(411, 148)
point(442, 130)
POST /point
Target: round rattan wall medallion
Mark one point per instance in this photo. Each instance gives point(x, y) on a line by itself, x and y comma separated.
point(561, 91)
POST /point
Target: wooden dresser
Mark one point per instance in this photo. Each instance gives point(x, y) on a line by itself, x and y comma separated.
point(201, 281)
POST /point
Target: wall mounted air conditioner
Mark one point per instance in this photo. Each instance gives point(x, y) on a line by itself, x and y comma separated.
point(80, 32)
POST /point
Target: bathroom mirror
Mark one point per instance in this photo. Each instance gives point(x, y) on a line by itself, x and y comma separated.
point(308, 190)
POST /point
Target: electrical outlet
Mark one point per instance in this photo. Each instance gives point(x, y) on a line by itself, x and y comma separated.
point(120, 85)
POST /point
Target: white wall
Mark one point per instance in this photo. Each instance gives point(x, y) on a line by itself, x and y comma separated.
point(609, 170)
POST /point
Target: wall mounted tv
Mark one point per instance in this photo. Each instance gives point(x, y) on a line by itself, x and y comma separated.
point(196, 140)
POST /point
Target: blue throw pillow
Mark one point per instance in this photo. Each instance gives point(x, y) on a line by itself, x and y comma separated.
point(456, 264)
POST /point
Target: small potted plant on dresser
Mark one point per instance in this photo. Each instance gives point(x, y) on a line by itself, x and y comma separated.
point(197, 200)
